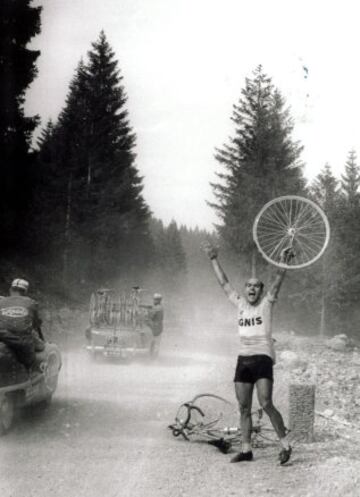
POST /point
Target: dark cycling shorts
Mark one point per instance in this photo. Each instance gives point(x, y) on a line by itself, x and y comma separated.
point(251, 368)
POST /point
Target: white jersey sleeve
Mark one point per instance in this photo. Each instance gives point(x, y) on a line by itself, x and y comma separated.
point(234, 298)
point(269, 298)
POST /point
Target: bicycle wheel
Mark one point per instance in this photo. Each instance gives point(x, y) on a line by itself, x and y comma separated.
point(198, 419)
point(295, 222)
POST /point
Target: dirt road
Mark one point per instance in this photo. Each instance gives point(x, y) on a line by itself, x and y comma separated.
point(105, 436)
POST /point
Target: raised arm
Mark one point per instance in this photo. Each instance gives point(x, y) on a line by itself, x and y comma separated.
point(275, 286)
point(212, 253)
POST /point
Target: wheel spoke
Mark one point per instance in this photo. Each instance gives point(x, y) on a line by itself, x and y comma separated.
point(302, 212)
point(312, 245)
point(291, 221)
point(281, 242)
point(286, 215)
point(282, 215)
point(272, 218)
point(314, 222)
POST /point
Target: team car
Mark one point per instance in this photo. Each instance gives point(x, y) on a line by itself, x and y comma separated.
point(118, 326)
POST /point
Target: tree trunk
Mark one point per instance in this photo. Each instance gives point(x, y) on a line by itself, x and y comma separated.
point(322, 315)
point(89, 177)
point(67, 232)
point(85, 268)
point(323, 300)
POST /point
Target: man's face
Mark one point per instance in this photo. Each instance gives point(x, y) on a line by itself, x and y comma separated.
point(253, 290)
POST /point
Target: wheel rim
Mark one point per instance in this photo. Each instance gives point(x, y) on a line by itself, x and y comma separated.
point(6, 413)
point(291, 221)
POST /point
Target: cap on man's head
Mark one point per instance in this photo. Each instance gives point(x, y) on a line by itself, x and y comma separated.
point(157, 296)
point(20, 284)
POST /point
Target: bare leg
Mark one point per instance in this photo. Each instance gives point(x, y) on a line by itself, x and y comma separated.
point(264, 388)
point(244, 393)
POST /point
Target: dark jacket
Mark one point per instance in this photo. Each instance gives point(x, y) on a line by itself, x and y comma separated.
point(156, 318)
point(19, 314)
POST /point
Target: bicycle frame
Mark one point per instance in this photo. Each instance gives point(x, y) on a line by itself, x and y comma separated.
point(192, 429)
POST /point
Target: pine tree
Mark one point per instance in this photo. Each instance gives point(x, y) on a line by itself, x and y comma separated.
point(117, 215)
point(261, 161)
point(19, 23)
point(325, 191)
point(46, 206)
point(324, 280)
point(59, 172)
point(333, 281)
point(104, 222)
point(350, 212)
point(350, 181)
point(205, 300)
point(349, 234)
point(169, 265)
point(175, 257)
point(71, 143)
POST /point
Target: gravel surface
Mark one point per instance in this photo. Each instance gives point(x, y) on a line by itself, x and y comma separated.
point(105, 433)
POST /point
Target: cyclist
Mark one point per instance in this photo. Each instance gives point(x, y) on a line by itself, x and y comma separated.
point(20, 324)
point(256, 352)
point(155, 321)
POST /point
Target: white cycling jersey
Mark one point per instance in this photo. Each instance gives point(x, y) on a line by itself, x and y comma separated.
point(255, 325)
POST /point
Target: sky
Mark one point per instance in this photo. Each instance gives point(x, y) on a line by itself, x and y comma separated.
point(184, 63)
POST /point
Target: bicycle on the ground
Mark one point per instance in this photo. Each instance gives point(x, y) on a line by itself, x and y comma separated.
point(210, 418)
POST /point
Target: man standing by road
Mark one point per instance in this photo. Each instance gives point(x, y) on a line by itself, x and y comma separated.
point(155, 322)
point(256, 352)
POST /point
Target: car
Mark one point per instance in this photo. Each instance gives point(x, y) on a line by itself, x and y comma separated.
point(118, 324)
point(20, 388)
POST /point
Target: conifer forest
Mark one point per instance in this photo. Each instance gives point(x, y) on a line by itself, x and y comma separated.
point(74, 216)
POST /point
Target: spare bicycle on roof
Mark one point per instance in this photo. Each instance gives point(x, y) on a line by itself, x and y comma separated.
point(118, 324)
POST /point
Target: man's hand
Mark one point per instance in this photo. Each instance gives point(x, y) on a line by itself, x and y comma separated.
point(209, 250)
point(212, 253)
point(286, 255)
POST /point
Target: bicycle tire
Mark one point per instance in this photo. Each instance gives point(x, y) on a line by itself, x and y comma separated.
point(278, 226)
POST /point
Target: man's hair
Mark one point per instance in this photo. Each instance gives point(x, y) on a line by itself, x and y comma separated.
point(258, 280)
